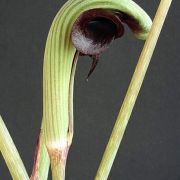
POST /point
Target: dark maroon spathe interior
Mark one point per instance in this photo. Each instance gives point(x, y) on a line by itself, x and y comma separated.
point(94, 30)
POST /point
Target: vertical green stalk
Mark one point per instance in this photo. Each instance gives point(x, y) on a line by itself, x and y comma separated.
point(41, 159)
point(132, 93)
point(11, 155)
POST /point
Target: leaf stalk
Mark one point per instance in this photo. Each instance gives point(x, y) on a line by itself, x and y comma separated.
point(132, 92)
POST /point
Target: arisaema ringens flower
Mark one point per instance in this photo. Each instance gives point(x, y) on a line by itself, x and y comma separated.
point(81, 27)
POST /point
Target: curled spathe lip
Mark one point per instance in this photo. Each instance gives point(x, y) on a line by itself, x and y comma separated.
point(95, 29)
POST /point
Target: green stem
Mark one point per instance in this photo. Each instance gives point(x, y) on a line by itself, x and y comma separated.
point(132, 93)
point(11, 155)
